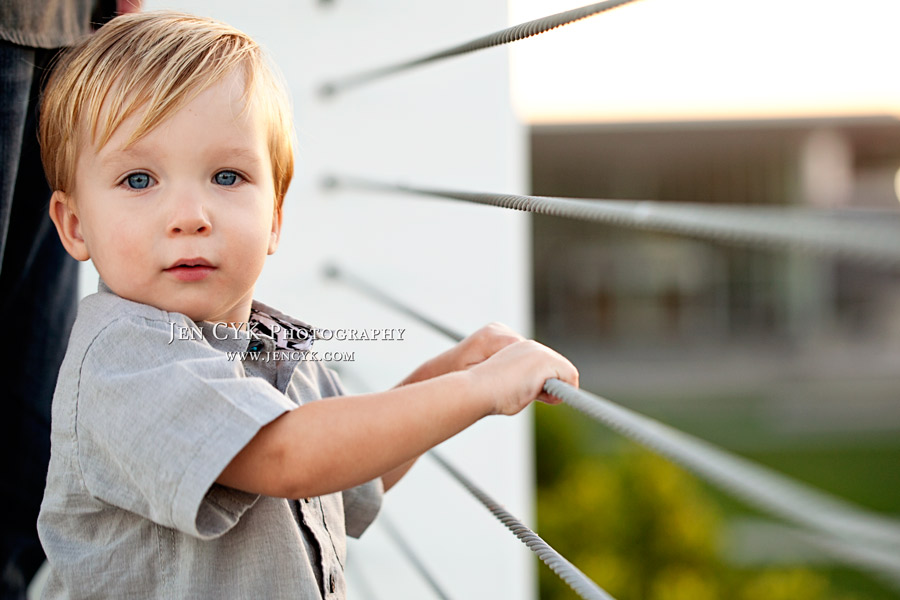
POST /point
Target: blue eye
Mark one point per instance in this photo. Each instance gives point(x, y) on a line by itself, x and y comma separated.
point(138, 181)
point(226, 178)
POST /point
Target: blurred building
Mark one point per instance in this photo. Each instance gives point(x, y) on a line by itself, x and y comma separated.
point(610, 294)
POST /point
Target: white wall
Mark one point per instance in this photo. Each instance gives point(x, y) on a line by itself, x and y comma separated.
point(445, 125)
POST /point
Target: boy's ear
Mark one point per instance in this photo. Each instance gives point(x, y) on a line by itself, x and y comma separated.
point(276, 231)
point(68, 226)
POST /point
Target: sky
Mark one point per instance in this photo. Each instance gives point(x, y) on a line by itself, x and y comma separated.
point(709, 59)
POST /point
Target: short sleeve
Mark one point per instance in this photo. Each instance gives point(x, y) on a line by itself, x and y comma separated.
point(158, 420)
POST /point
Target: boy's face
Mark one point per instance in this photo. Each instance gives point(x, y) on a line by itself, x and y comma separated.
point(184, 218)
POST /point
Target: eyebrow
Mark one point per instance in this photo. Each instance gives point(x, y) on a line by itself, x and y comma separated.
point(133, 153)
point(242, 152)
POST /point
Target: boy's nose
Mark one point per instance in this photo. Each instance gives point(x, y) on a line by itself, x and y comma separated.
point(189, 217)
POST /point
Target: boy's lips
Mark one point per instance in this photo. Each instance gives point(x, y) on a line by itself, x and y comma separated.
point(191, 269)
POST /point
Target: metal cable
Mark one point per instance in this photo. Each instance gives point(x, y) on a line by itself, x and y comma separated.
point(506, 36)
point(411, 555)
point(848, 526)
point(867, 235)
point(881, 563)
point(885, 565)
point(755, 485)
point(580, 583)
point(331, 271)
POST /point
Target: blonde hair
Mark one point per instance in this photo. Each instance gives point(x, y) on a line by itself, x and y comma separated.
point(156, 62)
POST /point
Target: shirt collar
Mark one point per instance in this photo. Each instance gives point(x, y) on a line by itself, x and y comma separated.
point(282, 331)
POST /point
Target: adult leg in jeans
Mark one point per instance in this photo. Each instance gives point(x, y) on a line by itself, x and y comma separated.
point(38, 294)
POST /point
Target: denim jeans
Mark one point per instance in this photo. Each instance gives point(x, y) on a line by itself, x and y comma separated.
point(38, 295)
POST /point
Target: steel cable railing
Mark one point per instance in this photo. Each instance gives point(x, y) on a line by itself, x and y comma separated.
point(867, 539)
point(580, 583)
point(867, 235)
point(505, 36)
point(864, 538)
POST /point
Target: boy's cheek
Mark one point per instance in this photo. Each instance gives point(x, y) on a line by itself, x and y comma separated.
point(116, 252)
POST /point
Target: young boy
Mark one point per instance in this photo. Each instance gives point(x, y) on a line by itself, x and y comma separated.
point(176, 472)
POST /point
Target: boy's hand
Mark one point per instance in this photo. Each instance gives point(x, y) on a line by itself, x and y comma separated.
point(483, 344)
point(472, 350)
point(514, 376)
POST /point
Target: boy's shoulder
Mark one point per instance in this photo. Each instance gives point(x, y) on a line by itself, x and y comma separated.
point(116, 323)
point(105, 306)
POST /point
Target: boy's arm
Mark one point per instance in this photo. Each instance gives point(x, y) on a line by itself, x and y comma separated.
point(337, 443)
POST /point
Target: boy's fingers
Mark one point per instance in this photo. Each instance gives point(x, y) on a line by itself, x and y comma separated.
point(548, 399)
point(489, 340)
point(499, 335)
point(572, 376)
point(566, 373)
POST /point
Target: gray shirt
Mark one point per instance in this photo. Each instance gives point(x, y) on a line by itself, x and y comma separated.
point(142, 427)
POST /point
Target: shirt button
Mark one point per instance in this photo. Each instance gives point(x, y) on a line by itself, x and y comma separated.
point(306, 500)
